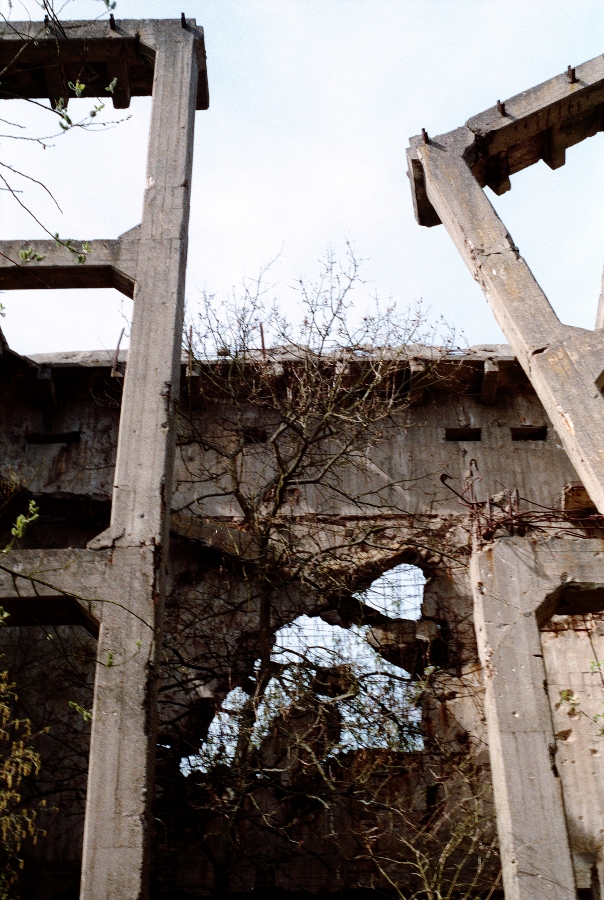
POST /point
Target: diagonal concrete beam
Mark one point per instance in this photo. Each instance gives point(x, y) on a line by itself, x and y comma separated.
point(565, 364)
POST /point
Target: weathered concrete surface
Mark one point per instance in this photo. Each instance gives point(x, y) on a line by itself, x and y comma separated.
point(563, 363)
point(165, 59)
point(573, 647)
point(205, 656)
point(518, 585)
point(565, 366)
point(107, 264)
point(448, 173)
point(123, 741)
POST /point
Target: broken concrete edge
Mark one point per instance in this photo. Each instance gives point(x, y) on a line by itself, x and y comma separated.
point(105, 358)
point(539, 123)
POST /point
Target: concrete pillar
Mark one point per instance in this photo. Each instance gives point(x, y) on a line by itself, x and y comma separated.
point(122, 754)
point(517, 583)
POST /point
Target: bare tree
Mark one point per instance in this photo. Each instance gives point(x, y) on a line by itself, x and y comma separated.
point(302, 755)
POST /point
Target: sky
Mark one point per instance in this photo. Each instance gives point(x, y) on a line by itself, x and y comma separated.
point(312, 103)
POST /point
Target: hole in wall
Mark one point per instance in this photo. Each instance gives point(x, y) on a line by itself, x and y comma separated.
point(463, 434)
point(572, 599)
point(529, 433)
point(68, 437)
point(331, 666)
point(398, 592)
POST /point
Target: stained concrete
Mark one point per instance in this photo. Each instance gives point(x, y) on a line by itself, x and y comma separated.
point(426, 441)
point(540, 808)
point(165, 59)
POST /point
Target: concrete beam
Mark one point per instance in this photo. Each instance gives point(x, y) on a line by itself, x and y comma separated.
point(564, 364)
point(517, 585)
point(166, 59)
point(52, 265)
point(38, 60)
point(540, 123)
point(54, 587)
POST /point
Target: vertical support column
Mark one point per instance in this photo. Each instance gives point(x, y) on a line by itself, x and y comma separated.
point(124, 727)
point(509, 582)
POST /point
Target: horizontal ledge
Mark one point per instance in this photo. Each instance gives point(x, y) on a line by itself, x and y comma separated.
point(66, 278)
point(51, 265)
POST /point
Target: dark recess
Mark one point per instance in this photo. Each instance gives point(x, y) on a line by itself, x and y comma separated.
point(463, 434)
point(66, 437)
point(529, 433)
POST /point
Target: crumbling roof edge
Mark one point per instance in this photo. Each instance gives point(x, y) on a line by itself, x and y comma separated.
point(107, 358)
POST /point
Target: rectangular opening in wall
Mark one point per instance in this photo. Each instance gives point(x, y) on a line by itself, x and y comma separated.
point(529, 433)
point(66, 437)
point(462, 434)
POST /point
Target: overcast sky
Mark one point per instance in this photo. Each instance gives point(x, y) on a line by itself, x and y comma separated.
point(312, 105)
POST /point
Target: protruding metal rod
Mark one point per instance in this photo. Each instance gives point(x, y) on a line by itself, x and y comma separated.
point(112, 24)
point(183, 20)
point(570, 74)
point(501, 108)
point(425, 137)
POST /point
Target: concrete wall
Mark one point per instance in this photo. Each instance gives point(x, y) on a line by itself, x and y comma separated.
point(71, 480)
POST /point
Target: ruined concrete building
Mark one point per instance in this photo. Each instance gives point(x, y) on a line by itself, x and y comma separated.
point(140, 585)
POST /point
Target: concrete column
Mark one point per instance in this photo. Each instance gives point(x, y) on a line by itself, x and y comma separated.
point(517, 584)
point(122, 754)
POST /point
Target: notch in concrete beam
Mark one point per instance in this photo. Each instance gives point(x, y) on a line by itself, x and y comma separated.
point(417, 381)
point(490, 379)
point(46, 390)
point(498, 173)
point(56, 85)
point(119, 75)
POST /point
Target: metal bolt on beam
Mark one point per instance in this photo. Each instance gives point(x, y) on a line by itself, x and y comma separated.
point(501, 108)
point(425, 137)
point(570, 74)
